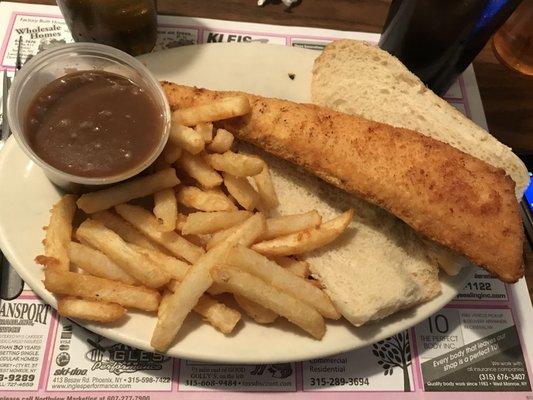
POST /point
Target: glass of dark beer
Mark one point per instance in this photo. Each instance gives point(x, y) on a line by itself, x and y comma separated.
point(438, 39)
point(128, 25)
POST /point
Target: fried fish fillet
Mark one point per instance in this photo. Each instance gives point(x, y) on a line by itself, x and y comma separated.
point(448, 196)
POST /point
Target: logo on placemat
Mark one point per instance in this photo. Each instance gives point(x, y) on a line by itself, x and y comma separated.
point(62, 359)
point(280, 371)
point(119, 358)
point(23, 313)
point(395, 351)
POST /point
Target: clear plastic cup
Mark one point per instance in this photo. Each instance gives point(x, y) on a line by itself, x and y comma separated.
point(58, 61)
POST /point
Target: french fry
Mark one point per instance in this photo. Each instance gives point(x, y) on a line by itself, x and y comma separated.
point(173, 285)
point(124, 229)
point(166, 209)
point(257, 312)
point(297, 267)
point(145, 221)
point(241, 190)
point(265, 188)
point(286, 224)
point(124, 192)
point(240, 165)
point(99, 289)
point(221, 236)
point(206, 131)
point(241, 234)
point(171, 153)
point(204, 200)
point(255, 289)
point(224, 108)
point(201, 171)
point(180, 221)
point(108, 242)
point(222, 317)
point(248, 231)
point(198, 240)
point(97, 263)
point(58, 234)
point(249, 261)
point(211, 222)
point(162, 309)
point(219, 315)
point(186, 138)
point(197, 281)
point(307, 240)
point(175, 268)
point(182, 301)
point(213, 290)
point(89, 310)
point(216, 289)
point(222, 141)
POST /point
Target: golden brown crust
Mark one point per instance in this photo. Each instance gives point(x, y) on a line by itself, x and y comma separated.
point(449, 196)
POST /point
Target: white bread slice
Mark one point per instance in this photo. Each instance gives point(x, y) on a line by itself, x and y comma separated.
point(445, 258)
point(355, 77)
point(377, 267)
point(420, 265)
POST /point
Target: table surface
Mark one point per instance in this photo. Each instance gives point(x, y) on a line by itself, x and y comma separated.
point(506, 95)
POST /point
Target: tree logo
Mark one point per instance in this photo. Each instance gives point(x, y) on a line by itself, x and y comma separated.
point(395, 351)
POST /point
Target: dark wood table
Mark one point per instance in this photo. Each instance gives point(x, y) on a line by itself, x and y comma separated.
point(506, 95)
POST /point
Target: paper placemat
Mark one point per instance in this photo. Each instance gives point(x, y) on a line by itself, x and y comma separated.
point(478, 346)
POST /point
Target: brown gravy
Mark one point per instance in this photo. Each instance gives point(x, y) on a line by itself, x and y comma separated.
point(93, 124)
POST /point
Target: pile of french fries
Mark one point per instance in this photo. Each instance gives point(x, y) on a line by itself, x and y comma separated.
point(209, 232)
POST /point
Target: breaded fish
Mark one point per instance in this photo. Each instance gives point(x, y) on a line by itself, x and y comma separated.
point(450, 197)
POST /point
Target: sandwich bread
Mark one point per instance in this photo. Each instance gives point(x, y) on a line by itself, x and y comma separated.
point(355, 77)
point(377, 267)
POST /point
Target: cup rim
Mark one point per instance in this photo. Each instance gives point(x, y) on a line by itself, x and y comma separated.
point(95, 49)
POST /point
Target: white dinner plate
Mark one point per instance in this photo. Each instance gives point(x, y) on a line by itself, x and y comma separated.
point(26, 196)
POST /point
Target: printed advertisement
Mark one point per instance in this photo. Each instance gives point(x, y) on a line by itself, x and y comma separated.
point(310, 44)
point(82, 360)
point(483, 287)
point(24, 332)
point(212, 36)
point(196, 376)
point(471, 349)
point(35, 34)
point(384, 366)
point(171, 36)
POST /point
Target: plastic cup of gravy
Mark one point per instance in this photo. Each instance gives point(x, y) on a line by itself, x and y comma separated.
point(88, 114)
